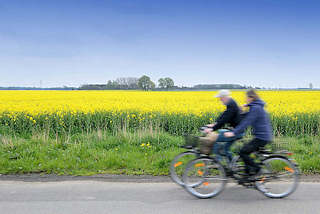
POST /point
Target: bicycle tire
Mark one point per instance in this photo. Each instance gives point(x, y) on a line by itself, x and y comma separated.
point(178, 165)
point(274, 164)
point(211, 171)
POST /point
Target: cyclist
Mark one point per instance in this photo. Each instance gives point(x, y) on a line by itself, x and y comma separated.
point(259, 120)
point(230, 116)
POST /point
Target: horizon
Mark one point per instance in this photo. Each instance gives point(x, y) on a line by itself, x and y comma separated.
point(263, 44)
point(157, 87)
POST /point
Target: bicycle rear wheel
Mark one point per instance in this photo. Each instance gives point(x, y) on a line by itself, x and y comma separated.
point(279, 177)
point(204, 177)
point(179, 164)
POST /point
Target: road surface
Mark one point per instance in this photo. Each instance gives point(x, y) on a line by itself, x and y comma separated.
point(77, 197)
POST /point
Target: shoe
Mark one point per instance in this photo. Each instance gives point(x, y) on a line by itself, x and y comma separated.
point(248, 178)
point(229, 173)
point(244, 180)
point(254, 171)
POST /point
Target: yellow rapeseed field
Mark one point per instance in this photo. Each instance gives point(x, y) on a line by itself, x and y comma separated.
point(44, 102)
point(292, 112)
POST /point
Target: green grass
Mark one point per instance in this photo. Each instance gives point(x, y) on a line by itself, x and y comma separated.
point(66, 123)
point(89, 154)
point(306, 152)
point(121, 153)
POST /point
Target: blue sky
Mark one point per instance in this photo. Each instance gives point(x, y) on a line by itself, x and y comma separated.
point(73, 42)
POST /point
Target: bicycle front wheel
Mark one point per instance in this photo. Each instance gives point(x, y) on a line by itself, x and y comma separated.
point(279, 177)
point(204, 177)
point(179, 164)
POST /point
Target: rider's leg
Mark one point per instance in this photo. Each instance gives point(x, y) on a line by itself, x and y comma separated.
point(227, 142)
point(216, 149)
point(227, 151)
point(245, 152)
point(217, 146)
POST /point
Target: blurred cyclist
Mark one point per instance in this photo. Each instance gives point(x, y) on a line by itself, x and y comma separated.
point(231, 116)
point(259, 120)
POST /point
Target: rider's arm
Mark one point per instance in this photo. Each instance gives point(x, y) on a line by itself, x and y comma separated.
point(211, 125)
point(247, 121)
point(243, 115)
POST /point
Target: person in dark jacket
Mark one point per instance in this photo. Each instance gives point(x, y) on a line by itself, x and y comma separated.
point(231, 116)
point(259, 120)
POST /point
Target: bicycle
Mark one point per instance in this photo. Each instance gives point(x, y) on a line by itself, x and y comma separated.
point(205, 177)
point(180, 161)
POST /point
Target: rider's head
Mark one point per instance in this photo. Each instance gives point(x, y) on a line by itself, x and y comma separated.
point(224, 96)
point(252, 96)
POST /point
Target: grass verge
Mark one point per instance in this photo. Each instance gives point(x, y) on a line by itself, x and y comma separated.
point(100, 152)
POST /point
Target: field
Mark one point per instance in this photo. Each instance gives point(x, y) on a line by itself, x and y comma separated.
point(133, 132)
point(68, 112)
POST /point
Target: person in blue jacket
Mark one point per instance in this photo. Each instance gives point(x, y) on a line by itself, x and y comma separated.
point(259, 120)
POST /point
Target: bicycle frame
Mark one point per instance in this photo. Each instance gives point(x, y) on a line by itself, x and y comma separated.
point(261, 156)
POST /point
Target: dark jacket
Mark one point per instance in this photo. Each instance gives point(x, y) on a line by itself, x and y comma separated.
point(258, 119)
point(230, 116)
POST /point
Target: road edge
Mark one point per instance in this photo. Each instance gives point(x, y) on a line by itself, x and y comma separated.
point(110, 178)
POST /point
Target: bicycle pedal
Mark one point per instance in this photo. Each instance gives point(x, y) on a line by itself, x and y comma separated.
point(228, 173)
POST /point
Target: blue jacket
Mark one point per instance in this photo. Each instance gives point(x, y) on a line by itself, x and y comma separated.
point(258, 119)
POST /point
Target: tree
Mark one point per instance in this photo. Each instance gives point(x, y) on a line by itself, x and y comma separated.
point(109, 85)
point(112, 85)
point(145, 83)
point(123, 83)
point(169, 82)
point(166, 83)
point(132, 82)
point(162, 83)
point(153, 85)
point(310, 86)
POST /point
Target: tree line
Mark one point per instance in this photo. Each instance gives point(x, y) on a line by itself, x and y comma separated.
point(145, 83)
point(132, 83)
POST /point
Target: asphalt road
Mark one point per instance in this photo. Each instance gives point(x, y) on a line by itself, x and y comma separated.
point(122, 197)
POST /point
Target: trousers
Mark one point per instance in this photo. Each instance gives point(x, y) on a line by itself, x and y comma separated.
point(247, 149)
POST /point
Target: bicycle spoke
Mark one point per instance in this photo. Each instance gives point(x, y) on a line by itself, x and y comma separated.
point(203, 178)
point(281, 179)
point(178, 165)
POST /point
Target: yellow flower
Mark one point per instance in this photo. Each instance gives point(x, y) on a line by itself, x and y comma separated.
point(145, 106)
